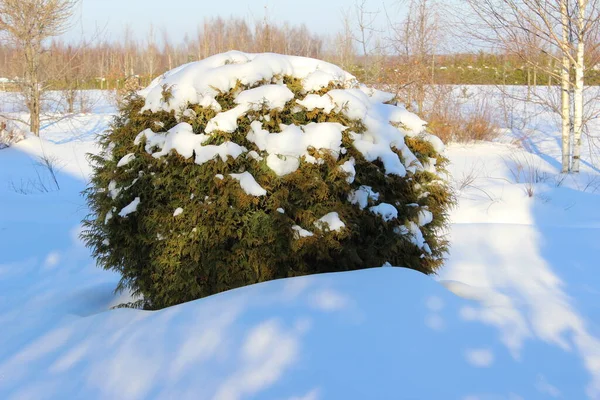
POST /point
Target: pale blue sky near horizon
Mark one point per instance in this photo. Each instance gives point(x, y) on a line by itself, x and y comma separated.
point(179, 17)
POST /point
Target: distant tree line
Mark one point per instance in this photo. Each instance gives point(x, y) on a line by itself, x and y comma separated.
point(104, 64)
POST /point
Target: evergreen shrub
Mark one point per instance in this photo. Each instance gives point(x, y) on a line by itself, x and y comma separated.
point(243, 168)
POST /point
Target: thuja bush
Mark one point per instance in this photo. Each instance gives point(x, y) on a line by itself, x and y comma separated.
point(243, 168)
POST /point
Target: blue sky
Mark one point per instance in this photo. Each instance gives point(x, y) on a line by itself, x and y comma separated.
point(181, 16)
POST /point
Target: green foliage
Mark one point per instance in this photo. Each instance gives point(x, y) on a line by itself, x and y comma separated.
point(167, 93)
point(226, 238)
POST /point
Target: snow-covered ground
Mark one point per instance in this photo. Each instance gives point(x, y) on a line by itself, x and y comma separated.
point(515, 313)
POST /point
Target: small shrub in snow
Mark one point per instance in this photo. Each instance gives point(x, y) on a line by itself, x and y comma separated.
point(243, 168)
point(463, 123)
point(9, 133)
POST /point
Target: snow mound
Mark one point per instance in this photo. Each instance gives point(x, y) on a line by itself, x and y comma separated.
point(130, 208)
point(330, 221)
point(249, 184)
point(266, 341)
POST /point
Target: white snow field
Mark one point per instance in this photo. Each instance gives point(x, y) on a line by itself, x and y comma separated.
point(514, 314)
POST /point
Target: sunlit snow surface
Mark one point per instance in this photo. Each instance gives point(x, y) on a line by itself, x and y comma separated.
point(521, 319)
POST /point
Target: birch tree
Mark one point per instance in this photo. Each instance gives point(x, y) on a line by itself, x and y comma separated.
point(565, 94)
point(562, 28)
point(27, 25)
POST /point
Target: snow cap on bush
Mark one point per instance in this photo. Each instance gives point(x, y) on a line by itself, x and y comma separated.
point(243, 167)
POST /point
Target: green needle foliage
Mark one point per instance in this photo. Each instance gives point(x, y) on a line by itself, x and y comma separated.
point(226, 238)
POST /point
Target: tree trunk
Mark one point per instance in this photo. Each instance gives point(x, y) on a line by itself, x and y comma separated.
point(565, 110)
point(433, 69)
point(578, 89)
point(528, 83)
point(32, 87)
point(420, 97)
point(34, 112)
point(70, 102)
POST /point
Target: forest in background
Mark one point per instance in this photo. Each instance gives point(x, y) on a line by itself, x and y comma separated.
point(411, 51)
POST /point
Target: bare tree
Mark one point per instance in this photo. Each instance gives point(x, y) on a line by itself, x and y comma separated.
point(150, 54)
point(129, 55)
point(69, 68)
point(344, 52)
point(168, 49)
point(414, 40)
point(561, 29)
point(366, 35)
point(27, 24)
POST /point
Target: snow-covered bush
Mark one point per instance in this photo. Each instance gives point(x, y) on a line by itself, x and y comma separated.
point(243, 168)
point(10, 133)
